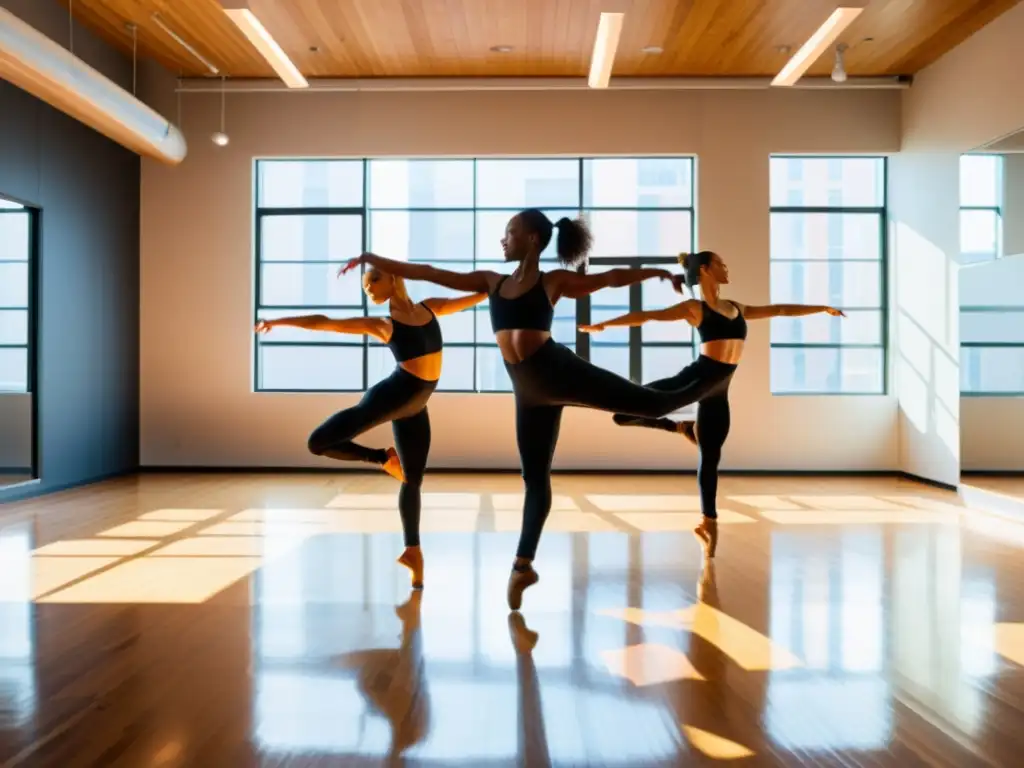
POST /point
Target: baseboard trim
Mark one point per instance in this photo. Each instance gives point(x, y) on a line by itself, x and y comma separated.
point(927, 481)
point(992, 473)
point(34, 488)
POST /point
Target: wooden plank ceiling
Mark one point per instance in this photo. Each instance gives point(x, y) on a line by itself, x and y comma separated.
point(437, 38)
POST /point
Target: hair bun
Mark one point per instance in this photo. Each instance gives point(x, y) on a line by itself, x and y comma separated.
point(565, 220)
point(683, 258)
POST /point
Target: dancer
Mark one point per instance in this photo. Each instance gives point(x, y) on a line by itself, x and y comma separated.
point(413, 334)
point(546, 376)
point(722, 326)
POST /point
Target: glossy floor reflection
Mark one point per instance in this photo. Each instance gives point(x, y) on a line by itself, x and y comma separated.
point(262, 621)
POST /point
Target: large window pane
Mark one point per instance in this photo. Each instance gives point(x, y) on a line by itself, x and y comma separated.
point(491, 375)
point(858, 327)
point(665, 362)
point(13, 284)
point(811, 370)
point(314, 367)
point(14, 236)
point(995, 370)
point(801, 236)
point(14, 326)
point(311, 238)
point(421, 183)
point(310, 183)
point(995, 325)
point(980, 181)
point(640, 233)
point(840, 284)
point(610, 357)
point(519, 184)
point(309, 285)
point(835, 182)
point(631, 182)
point(979, 235)
point(14, 369)
point(424, 236)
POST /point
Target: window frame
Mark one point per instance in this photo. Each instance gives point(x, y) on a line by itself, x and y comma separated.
point(990, 309)
point(31, 309)
point(997, 209)
point(881, 211)
point(583, 305)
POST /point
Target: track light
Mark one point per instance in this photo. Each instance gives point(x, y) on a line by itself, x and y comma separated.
point(839, 70)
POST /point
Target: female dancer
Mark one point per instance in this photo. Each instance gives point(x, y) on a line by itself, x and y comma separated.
point(413, 334)
point(546, 376)
point(722, 326)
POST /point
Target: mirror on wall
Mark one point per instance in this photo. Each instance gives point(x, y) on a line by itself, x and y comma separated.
point(991, 292)
point(17, 343)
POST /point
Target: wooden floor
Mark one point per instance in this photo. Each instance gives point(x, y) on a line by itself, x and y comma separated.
point(259, 620)
point(1012, 486)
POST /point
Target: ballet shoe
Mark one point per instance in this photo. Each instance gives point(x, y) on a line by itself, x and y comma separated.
point(524, 639)
point(412, 558)
point(519, 582)
point(688, 429)
point(707, 535)
point(393, 466)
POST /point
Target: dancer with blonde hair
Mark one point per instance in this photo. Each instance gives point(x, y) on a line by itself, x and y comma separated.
point(413, 334)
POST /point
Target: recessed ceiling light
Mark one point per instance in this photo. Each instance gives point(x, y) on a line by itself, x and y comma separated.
point(501, 48)
point(652, 49)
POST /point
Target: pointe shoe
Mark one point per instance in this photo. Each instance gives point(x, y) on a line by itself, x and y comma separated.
point(707, 535)
point(688, 429)
point(519, 582)
point(393, 466)
point(412, 558)
point(524, 639)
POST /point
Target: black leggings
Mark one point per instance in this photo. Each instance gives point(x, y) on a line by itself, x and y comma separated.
point(401, 398)
point(713, 422)
point(553, 377)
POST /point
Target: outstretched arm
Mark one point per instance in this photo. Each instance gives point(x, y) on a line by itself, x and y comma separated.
point(476, 282)
point(686, 310)
point(442, 307)
point(573, 285)
point(787, 310)
point(377, 327)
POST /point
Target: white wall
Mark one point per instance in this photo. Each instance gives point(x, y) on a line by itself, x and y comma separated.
point(197, 264)
point(968, 98)
point(924, 247)
point(992, 428)
point(15, 431)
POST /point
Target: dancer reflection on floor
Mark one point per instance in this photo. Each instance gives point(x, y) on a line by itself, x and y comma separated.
point(546, 376)
point(722, 327)
point(413, 334)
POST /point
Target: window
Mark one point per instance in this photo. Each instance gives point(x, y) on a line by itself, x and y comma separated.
point(15, 291)
point(981, 200)
point(992, 351)
point(828, 247)
point(314, 215)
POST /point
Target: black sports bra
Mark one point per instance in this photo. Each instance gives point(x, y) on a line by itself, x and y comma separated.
point(530, 312)
point(408, 342)
point(715, 326)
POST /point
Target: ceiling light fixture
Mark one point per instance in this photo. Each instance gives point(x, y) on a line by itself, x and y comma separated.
point(501, 48)
point(839, 70)
point(817, 44)
point(652, 49)
point(240, 13)
point(609, 30)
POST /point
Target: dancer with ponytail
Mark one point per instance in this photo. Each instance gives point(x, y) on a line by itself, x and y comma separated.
point(722, 327)
point(546, 376)
point(413, 334)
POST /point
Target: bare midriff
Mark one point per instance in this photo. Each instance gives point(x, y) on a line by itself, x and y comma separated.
point(724, 350)
point(517, 344)
point(426, 367)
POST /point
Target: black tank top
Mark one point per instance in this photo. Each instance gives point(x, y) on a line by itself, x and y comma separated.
point(530, 312)
point(717, 327)
point(408, 342)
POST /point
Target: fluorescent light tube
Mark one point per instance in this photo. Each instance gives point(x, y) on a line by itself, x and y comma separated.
point(238, 11)
point(609, 29)
point(816, 45)
point(48, 71)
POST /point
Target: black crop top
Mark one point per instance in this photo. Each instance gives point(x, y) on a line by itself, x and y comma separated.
point(530, 312)
point(715, 326)
point(408, 342)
